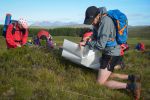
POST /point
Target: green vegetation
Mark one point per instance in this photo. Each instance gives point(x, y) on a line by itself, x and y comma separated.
point(38, 73)
point(56, 31)
point(134, 32)
point(60, 31)
point(1, 29)
point(140, 31)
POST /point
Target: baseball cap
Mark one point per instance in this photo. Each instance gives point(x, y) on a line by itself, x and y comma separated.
point(90, 14)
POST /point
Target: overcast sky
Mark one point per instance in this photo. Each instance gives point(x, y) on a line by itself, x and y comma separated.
point(137, 11)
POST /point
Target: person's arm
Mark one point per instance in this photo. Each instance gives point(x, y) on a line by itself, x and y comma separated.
point(103, 34)
point(9, 36)
point(25, 37)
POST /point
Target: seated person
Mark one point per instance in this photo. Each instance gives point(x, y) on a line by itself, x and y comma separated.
point(44, 39)
point(17, 34)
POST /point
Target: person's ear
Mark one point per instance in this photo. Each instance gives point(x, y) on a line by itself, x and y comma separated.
point(99, 16)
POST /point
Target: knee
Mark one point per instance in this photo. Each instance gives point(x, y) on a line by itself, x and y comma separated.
point(100, 82)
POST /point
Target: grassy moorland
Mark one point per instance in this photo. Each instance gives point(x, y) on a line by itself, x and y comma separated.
point(41, 74)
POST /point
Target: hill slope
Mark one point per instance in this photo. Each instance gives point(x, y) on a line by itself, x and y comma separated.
point(38, 73)
point(140, 31)
point(134, 32)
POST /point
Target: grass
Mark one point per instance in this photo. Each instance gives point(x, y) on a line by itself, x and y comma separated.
point(59, 39)
point(38, 73)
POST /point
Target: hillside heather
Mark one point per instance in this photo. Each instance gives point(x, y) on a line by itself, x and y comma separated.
point(39, 73)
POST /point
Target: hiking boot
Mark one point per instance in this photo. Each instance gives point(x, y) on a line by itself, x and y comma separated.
point(134, 78)
point(135, 89)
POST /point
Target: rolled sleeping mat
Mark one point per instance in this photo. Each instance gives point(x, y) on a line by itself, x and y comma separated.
point(7, 19)
point(7, 22)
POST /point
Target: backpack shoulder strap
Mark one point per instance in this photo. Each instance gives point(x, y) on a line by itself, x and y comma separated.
point(14, 28)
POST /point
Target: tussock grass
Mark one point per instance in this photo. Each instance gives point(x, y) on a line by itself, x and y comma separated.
point(39, 73)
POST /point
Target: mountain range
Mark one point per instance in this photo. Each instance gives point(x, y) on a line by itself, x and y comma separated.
point(56, 23)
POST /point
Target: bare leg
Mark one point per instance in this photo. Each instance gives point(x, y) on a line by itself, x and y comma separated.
point(121, 76)
point(115, 84)
point(103, 76)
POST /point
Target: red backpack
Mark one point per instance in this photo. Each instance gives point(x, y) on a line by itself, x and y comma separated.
point(142, 46)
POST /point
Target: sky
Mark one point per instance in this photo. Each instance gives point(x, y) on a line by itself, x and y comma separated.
point(137, 11)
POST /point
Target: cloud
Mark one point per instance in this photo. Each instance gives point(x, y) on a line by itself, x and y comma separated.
point(138, 15)
point(139, 19)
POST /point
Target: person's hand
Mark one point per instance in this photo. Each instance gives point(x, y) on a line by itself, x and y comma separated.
point(18, 45)
point(82, 44)
point(87, 39)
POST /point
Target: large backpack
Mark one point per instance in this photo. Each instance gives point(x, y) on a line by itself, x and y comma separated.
point(8, 21)
point(43, 39)
point(121, 23)
point(14, 23)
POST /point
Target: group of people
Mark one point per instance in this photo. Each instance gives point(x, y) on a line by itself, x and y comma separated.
point(17, 36)
point(102, 32)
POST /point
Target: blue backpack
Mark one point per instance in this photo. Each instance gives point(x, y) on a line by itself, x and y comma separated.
point(8, 21)
point(121, 23)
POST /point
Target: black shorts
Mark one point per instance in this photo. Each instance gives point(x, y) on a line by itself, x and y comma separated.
point(110, 62)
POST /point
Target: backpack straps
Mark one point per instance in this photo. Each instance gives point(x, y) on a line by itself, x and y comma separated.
point(14, 27)
point(13, 30)
point(119, 29)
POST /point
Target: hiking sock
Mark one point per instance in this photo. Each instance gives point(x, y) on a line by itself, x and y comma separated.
point(130, 86)
point(134, 78)
point(131, 78)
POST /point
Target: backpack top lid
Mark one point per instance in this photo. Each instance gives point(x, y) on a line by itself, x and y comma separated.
point(118, 15)
point(119, 18)
point(13, 21)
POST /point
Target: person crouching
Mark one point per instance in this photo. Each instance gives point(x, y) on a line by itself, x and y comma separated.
point(17, 34)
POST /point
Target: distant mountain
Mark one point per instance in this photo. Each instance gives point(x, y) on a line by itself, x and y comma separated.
point(57, 24)
point(54, 24)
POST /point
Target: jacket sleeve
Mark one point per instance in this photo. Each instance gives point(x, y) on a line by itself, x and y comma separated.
point(9, 36)
point(25, 37)
point(102, 36)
